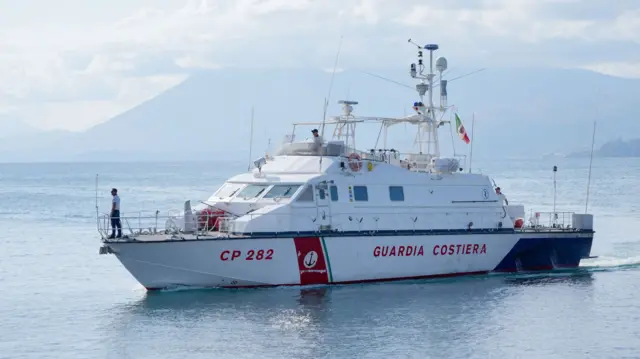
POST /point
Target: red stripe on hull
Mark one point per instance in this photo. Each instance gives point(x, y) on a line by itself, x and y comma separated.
point(382, 280)
point(311, 262)
point(364, 281)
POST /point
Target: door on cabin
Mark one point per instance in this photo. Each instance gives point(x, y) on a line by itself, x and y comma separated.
point(323, 205)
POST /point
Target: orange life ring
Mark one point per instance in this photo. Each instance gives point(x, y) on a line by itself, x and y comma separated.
point(354, 162)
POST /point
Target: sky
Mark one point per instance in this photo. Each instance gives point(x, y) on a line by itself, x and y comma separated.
point(71, 64)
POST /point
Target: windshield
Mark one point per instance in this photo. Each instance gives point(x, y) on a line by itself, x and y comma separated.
point(228, 190)
point(282, 191)
point(310, 149)
point(252, 191)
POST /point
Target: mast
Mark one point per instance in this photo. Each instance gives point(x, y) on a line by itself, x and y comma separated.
point(346, 125)
point(425, 87)
point(432, 114)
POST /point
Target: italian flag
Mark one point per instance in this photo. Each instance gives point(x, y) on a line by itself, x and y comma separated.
point(461, 131)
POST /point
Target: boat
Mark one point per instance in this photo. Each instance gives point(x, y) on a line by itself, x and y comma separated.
point(323, 212)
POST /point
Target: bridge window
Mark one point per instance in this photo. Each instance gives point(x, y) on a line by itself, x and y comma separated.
point(306, 195)
point(333, 190)
point(396, 193)
point(282, 191)
point(360, 193)
point(252, 191)
point(228, 190)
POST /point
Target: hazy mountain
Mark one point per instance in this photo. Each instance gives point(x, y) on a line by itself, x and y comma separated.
point(519, 112)
point(615, 148)
point(11, 126)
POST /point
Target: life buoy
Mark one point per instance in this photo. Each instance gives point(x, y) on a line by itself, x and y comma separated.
point(519, 223)
point(354, 162)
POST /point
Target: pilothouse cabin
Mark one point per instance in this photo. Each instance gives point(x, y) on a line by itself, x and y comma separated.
point(287, 196)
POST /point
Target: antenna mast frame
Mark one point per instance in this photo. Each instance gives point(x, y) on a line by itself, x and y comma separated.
point(425, 87)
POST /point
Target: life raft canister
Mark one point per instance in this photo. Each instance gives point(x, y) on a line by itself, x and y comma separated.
point(518, 223)
point(354, 162)
point(208, 218)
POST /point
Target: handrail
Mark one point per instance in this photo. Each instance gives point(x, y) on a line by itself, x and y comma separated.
point(554, 220)
point(218, 224)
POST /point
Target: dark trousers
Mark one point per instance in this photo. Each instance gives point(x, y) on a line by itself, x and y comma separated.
point(115, 223)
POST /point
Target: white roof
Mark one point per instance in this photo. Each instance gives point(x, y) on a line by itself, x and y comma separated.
point(288, 169)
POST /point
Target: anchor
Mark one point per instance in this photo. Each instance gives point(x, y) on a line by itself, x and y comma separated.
point(311, 261)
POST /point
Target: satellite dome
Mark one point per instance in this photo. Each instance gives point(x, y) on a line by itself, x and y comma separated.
point(441, 64)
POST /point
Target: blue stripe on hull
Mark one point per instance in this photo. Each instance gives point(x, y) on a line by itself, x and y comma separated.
point(328, 234)
point(545, 253)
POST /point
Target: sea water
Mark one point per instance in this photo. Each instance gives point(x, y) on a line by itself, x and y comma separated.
point(60, 299)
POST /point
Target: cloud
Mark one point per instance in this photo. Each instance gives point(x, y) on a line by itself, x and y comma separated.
point(111, 55)
point(619, 69)
point(196, 61)
point(279, 33)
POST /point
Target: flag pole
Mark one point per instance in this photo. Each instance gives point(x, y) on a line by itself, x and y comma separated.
point(473, 120)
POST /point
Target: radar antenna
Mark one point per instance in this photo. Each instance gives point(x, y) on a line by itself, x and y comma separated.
point(346, 124)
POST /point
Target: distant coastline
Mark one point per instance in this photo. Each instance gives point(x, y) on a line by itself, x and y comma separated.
point(615, 148)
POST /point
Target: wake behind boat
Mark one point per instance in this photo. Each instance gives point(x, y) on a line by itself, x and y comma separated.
point(324, 212)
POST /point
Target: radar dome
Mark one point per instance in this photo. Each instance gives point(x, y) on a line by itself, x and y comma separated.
point(441, 64)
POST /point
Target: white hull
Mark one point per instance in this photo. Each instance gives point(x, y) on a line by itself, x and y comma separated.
point(339, 260)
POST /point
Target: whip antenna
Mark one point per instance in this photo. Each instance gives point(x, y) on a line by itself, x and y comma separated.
point(593, 140)
point(326, 100)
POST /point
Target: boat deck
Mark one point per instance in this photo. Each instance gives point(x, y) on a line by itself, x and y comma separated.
point(152, 231)
point(162, 237)
point(212, 236)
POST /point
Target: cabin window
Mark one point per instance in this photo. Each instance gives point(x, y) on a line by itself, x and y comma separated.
point(360, 193)
point(252, 191)
point(333, 190)
point(282, 191)
point(306, 195)
point(321, 194)
point(228, 190)
point(396, 193)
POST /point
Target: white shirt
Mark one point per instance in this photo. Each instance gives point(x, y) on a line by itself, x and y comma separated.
point(503, 199)
point(116, 200)
point(317, 141)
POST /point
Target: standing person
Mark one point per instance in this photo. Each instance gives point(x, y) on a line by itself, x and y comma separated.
point(115, 214)
point(503, 198)
point(317, 141)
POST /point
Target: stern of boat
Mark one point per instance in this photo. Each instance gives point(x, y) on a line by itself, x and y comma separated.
point(551, 240)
